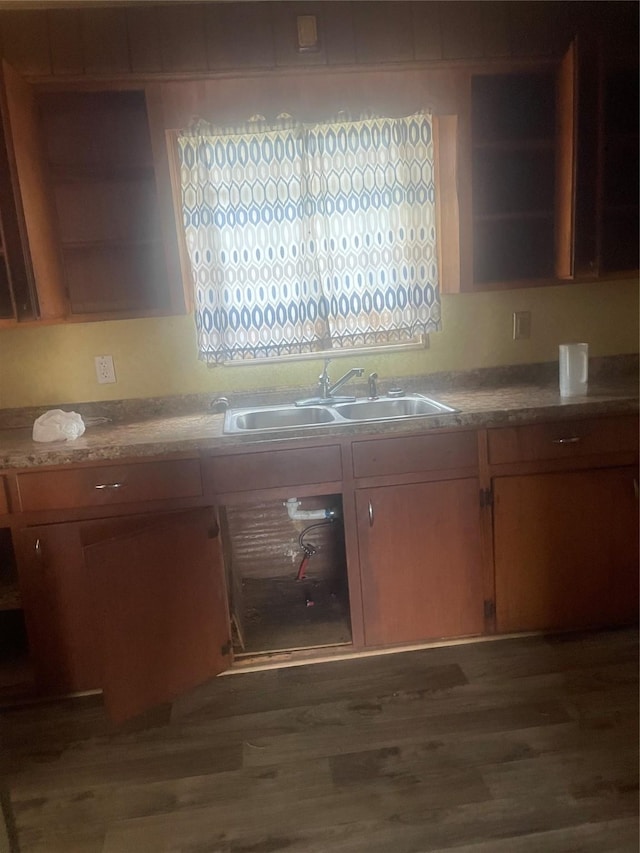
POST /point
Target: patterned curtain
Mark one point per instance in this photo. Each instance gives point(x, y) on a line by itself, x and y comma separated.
point(307, 238)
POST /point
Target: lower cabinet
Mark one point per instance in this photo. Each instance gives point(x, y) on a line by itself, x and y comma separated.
point(138, 605)
point(420, 555)
point(134, 605)
point(566, 549)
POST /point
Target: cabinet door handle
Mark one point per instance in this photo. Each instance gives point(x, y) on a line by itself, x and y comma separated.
point(635, 487)
point(370, 514)
point(109, 486)
point(572, 439)
point(38, 547)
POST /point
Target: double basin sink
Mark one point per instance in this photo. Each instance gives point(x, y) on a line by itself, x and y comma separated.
point(332, 413)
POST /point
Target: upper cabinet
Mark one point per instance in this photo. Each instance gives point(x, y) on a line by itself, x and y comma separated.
point(513, 176)
point(554, 164)
point(99, 163)
point(619, 146)
point(86, 173)
point(537, 154)
point(598, 163)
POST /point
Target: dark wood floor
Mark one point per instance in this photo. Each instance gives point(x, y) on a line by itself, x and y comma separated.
point(513, 746)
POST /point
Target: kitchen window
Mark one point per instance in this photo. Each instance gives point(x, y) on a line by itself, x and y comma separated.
point(310, 238)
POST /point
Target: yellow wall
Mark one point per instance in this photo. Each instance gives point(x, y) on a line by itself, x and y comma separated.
point(155, 357)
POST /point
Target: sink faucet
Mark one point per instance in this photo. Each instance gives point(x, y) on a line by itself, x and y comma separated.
point(326, 389)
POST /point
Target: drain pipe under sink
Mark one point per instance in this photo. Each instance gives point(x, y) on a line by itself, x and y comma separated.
point(297, 514)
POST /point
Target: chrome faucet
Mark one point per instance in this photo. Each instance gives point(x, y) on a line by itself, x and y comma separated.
point(326, 389)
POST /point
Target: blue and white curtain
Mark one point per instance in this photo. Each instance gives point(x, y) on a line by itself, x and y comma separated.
point(306, 238)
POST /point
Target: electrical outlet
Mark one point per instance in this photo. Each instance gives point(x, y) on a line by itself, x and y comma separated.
point(105, 371)
point(521, 325)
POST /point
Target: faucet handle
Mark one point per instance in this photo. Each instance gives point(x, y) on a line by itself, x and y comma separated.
point(373, 386)
point(323, 380)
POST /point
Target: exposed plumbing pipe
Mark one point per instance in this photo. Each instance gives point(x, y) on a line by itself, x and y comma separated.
point(309, 550)
point(296, 514)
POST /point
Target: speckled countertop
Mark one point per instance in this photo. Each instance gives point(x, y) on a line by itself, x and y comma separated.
point(194, 431)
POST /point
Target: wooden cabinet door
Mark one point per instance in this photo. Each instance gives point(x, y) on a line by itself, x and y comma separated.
point(160, 607)
point(420, 561)
point(566, 549)
point(36, 211)
point(17, 296)
point(134, 605)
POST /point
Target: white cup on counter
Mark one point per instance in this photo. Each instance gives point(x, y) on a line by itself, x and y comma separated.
point(574, 369)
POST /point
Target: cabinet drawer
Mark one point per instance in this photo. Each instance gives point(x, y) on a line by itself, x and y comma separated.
point(251, 471)
point(567, 439)
point(444, 451)
point(111, 484)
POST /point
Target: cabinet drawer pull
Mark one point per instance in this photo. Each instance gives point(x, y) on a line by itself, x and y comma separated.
point(573, 439)
point(38, 547)
point(109, 486)
point(370, 514)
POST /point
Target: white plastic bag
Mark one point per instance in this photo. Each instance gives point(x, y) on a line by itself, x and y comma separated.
point(56, 425)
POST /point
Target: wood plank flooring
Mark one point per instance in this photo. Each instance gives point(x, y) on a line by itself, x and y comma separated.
point(514, 746)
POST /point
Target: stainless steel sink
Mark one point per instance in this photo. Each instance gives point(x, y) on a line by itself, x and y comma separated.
point(276, 417)
point(410, 406)
point(290, 416)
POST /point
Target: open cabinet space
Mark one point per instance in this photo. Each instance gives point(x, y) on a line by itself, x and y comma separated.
point(287, 578)
point(17, 680)
point(16, 673)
